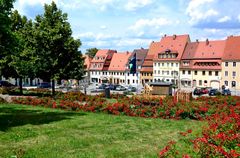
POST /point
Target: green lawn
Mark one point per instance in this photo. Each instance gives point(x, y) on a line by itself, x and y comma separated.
point(40, 132)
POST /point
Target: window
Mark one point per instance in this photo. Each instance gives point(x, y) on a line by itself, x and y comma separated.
point(167, 72)
point(205, 81)
point(233, 83)
point(176, 64)
point(158, 64)
point(183, 72)
point(158, 71)
point(210, 73)
point(189, 72)
point(226, 83)
point(234, 64)
point(203, 73)
point(195, 72)
point(167, 64)
point(133, 81)
point(155, 72)
point(234, 73)
point(200, 82)
point(172, 64)
point(155, 64)
point(226, 73)
point(162, 64)
point(128, 74)
point(216, 73)
point(226, 64)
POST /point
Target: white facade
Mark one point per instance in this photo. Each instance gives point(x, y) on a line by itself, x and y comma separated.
point(133, 79)
point(166, 71)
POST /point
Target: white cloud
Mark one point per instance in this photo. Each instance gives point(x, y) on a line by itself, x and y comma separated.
point(103, 27)
point(96, 36)
point(224, 19)
point(137, 42)
point(196, 11)
point(213, 31)
point(20, 4)
point(239, 17)
point(133, 5)
point(154, 23)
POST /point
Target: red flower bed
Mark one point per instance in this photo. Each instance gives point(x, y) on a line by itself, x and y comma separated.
point(221, 138)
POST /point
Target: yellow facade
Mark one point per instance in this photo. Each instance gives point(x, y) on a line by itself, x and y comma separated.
point(231, 74)
point(146, 77)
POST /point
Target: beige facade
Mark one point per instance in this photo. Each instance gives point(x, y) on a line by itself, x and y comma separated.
point(231, 75)
point(146, 77)
point(201, 78)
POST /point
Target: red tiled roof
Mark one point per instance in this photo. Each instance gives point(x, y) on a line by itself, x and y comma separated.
point(119, 61)
point(101, 55)
point(101, 59)
point(210, 49)
point(232, 49)
point(190, 50)
point(175, 43)
point(87, 61)
point(206, 66)
point(147, 69)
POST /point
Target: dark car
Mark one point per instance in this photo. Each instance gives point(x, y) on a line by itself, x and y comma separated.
point(113, 86)
point(6, 84)
point(102, 86)
point(226, 92)
point(44, 85)
point(197, 91)
point(214, 92)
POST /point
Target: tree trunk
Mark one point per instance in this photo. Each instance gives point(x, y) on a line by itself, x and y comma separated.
point(20, 84)
point(53, 88)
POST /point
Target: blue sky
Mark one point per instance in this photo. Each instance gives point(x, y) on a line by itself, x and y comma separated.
point(125, 25)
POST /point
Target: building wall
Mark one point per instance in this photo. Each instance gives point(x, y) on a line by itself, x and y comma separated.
point(133, 79)
point(230, 74)
point(186, 78)
point(116, 77)
point(146, 77)
point(166, 71)
point(211, 78)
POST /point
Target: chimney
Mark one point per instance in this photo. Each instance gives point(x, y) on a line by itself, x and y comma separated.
point(127, 52)
point(141, 47)
point(197, 40)
point(152, 41)
point(174, 37)
point(207, 41)
point(165, 35)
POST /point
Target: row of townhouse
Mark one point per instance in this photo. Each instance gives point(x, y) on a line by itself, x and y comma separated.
point(210, 63)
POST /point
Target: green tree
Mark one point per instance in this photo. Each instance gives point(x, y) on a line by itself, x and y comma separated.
point(7, 39)
point(57, 51)
point(91, 52)
point(24, 58)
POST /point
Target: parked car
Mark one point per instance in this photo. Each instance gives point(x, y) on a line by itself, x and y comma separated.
point(214, 92)
point(131, 89)
point(197, 91)
point(102, 86)
point(226, 92)
point(121, 88)
point(204, 91)
point(113, 86)
point(44, 85)
point(6, 84)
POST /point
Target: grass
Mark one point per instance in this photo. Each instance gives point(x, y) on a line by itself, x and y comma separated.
point(27, 131)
